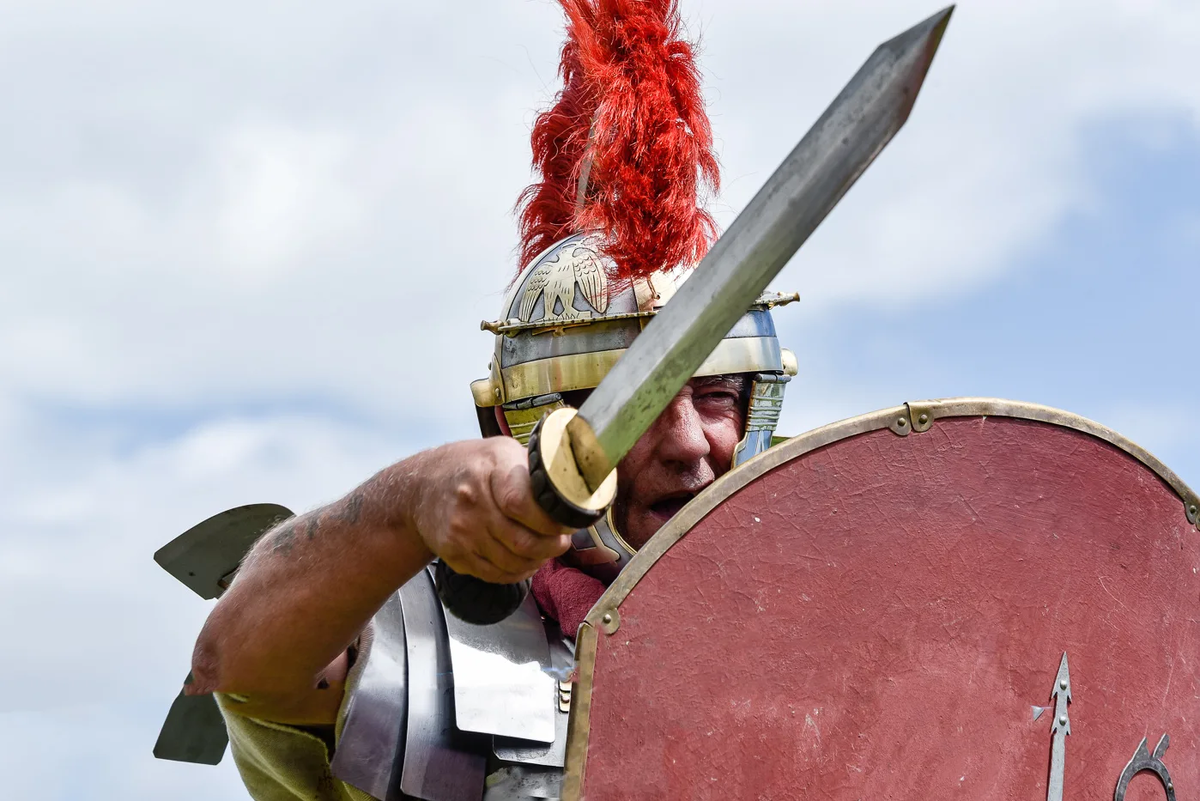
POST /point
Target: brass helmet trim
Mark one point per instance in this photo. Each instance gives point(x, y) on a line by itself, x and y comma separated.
point(575, 371)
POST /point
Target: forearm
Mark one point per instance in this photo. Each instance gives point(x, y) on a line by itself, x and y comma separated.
point(307, 589)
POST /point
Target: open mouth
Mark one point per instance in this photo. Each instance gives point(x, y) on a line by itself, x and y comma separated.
point(671, 504)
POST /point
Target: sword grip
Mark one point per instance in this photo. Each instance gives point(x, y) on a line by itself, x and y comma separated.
point(474, 600)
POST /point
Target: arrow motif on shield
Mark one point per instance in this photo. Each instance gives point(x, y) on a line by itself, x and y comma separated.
point(1060, 727)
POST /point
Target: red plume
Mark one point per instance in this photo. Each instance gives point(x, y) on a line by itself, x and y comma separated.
point(630, 118)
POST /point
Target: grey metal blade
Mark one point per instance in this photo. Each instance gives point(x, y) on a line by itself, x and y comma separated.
point(194, 730)
point(768, 232)
point(206, 555)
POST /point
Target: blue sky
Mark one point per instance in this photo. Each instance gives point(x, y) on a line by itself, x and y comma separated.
point(1098, 316)
point(247, 263)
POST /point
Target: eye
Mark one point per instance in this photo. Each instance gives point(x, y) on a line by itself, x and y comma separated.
point(719, 397)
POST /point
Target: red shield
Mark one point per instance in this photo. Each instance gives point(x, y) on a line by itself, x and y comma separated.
point(880, 608)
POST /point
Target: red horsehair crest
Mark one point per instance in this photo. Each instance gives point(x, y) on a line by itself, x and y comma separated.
point(626, 148)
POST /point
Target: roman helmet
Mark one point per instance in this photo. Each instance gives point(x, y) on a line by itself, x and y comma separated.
point(612, 229)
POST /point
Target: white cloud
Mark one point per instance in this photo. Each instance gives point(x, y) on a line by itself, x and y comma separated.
point(78, 543)
point(990, 160)
point(283, 195)
point(95, 761)
point(315, 210)
point(107, 634)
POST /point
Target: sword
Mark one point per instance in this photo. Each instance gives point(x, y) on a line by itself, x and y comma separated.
point(574, 454)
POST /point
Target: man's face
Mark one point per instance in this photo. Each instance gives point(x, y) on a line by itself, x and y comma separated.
point(686, 449)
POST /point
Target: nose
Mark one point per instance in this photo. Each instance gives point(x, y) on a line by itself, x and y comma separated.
point(680, 432)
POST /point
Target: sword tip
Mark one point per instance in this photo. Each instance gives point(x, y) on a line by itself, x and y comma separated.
point(936, 23)
point(929, 31)
point(913, 52)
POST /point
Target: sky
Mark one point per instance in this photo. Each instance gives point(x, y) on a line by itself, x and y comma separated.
point(245, 249)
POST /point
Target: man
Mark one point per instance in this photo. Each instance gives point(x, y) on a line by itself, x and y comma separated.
point(306, 590)
point(624, 151)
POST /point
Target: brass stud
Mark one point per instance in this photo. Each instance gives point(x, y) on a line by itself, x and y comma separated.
point(923, 419)
point(1062, 720)
point(901, 422)
point(610, 621)
point(1062, 685)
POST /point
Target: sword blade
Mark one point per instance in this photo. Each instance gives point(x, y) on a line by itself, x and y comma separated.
point(764, 237)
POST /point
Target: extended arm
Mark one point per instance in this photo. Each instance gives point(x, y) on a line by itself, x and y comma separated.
point(278, 636)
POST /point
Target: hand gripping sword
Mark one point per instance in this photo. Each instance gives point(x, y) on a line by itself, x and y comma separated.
point(573, 454)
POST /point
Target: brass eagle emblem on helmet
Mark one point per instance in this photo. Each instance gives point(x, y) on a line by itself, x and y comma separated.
point(556, 279)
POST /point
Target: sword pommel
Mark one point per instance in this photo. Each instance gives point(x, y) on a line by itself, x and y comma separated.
point(567, 468)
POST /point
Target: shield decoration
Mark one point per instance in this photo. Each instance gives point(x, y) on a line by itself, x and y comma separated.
point(883, 608)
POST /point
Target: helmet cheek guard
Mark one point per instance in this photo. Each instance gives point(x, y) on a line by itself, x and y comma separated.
point(565, 323)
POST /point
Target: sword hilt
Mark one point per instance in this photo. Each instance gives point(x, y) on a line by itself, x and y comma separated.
point(561, 491)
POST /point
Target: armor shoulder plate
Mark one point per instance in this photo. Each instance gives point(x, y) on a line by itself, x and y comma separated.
point(501, 681)
point(442, 708)
point(372, 735)
point(399, 740)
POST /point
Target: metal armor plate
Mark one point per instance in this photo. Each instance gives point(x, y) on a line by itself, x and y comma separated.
point(444, 711)
point(957, 599)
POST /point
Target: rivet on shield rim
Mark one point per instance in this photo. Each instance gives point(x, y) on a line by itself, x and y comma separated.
point(610, 621)
point(920, 418)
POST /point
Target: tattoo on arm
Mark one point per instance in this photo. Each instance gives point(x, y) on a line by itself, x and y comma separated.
point(284, 537)
point(347, 512)
point(351, 511)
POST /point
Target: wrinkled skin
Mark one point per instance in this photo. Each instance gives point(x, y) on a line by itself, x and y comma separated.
point(688, 447)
